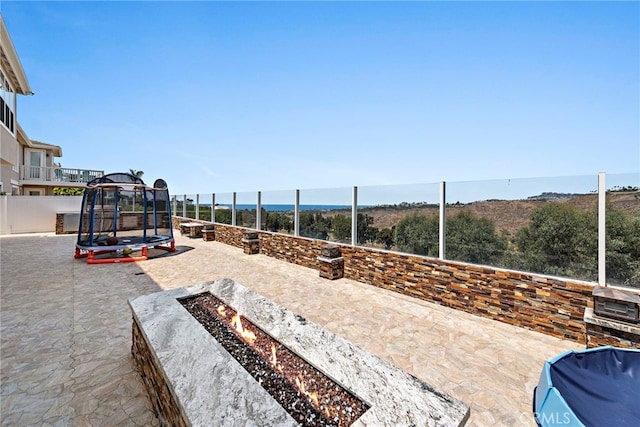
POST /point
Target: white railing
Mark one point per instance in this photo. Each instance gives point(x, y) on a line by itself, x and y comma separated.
point(58, 174)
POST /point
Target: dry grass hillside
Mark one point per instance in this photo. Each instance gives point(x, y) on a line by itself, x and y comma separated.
point(507, 215)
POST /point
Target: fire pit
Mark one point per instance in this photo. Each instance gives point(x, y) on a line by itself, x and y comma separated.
point(218, 354)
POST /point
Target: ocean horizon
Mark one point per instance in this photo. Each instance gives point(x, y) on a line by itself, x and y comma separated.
point(284, 207)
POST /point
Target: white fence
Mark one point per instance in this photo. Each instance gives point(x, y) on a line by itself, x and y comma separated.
point(31, 214)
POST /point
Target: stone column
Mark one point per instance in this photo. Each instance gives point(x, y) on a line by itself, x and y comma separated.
point(331, 262)
point(208, 233)
point(251, 243)
point(59, 223)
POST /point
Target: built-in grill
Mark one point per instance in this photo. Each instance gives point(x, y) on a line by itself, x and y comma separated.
point(616, 304)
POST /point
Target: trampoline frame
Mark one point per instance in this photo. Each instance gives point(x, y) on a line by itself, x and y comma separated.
point(92, 245)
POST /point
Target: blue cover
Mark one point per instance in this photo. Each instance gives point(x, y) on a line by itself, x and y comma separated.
point(599, 387)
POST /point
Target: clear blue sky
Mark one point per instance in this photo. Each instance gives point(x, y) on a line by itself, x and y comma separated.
point(244, 96)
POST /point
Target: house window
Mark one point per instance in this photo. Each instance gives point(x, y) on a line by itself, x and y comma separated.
point(7, 104)
point(34, 165)
point(16, 167)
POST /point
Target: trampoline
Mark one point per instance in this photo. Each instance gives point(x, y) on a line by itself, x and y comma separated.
point(595, 387)
point(121, 218)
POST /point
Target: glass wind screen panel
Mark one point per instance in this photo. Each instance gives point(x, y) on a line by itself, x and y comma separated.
point(224, 202)
point(277, 211)
point(205, 207)
point(623, 229)
point(325, 214)
point(190, 203)
point(541, 225)
point(246, 209)
point(400, 217)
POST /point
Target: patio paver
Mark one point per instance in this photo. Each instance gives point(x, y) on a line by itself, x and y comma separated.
point(66, 332)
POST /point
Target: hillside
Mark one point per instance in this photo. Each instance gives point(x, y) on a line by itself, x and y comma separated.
point(507, 215)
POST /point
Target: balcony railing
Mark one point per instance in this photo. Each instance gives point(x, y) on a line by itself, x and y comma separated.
point(57, 174)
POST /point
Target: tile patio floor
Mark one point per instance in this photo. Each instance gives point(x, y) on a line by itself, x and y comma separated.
point(66, 332)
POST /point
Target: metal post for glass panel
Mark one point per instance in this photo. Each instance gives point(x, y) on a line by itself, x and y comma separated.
point(354, 216)
point(259, 210)
point(213, 207)
point(296, 214)
point(184, 205)
point(233, 209)
point(443, 220)
point(198, 206)
point(175, 205)
point(602, 232)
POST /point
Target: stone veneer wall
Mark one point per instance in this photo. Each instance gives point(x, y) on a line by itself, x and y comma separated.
point(296, 250)
point(162, 399)
point(60, 223)
point(599, 335)
point(549, 305)
point(230, 235)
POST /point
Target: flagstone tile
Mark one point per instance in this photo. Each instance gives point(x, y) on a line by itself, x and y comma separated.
point(66, 342)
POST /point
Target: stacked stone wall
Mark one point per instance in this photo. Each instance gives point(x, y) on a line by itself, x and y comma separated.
point(548, 305)
point(230, 235)
point(296, 250)
point(162, 399)
point(599, 335)
point(60, 223)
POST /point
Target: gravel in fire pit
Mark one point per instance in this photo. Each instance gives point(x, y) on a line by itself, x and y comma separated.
point(308, 395)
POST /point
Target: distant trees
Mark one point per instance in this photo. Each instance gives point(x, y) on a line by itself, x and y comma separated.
point(367, 233)
point(562, 240)
point(418, 234)
point(314, 225)
point(385, 237)
point(473, 239)
point(469, 238)
point(223, 216)
point(623, 247)
point(559, 240)
point(341, 228)
point(277, 221)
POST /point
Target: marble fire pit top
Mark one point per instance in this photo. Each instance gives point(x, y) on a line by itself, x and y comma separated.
point(214, 389)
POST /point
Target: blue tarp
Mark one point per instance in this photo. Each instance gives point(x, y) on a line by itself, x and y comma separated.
point(598, 387)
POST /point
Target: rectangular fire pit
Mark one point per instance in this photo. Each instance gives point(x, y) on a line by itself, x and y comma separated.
point(192, 380)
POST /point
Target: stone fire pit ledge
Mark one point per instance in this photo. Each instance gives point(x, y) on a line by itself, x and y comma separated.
point(212, 388)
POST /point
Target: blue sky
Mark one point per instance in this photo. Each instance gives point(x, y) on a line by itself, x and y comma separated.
point(246, 96)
